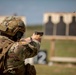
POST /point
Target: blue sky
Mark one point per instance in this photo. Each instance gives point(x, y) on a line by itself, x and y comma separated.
point(34, 9)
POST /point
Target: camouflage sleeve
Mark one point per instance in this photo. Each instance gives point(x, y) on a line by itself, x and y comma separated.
point(31, 47)
point(34, 46)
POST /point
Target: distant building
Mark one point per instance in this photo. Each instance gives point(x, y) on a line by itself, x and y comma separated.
point(60, 23)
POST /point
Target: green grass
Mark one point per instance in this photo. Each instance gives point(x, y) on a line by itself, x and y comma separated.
point(66, 48)
point(55, 70)
point(62, 48)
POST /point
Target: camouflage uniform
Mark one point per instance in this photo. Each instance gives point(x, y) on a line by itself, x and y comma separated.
point(18, 53)
point(14, 28)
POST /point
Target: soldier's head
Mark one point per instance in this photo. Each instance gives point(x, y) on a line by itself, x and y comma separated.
point(12, 27)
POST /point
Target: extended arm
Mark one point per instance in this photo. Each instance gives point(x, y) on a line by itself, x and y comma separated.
point(33, 44)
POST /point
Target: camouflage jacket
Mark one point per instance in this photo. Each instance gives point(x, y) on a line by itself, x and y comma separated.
point(19, 52)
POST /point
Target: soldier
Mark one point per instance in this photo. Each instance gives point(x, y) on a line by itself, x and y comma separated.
point(19, 51)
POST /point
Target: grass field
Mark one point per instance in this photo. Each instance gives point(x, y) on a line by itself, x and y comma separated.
point(63, 48)
point(55, 70)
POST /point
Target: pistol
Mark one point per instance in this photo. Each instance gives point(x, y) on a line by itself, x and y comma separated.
point(39, 33)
